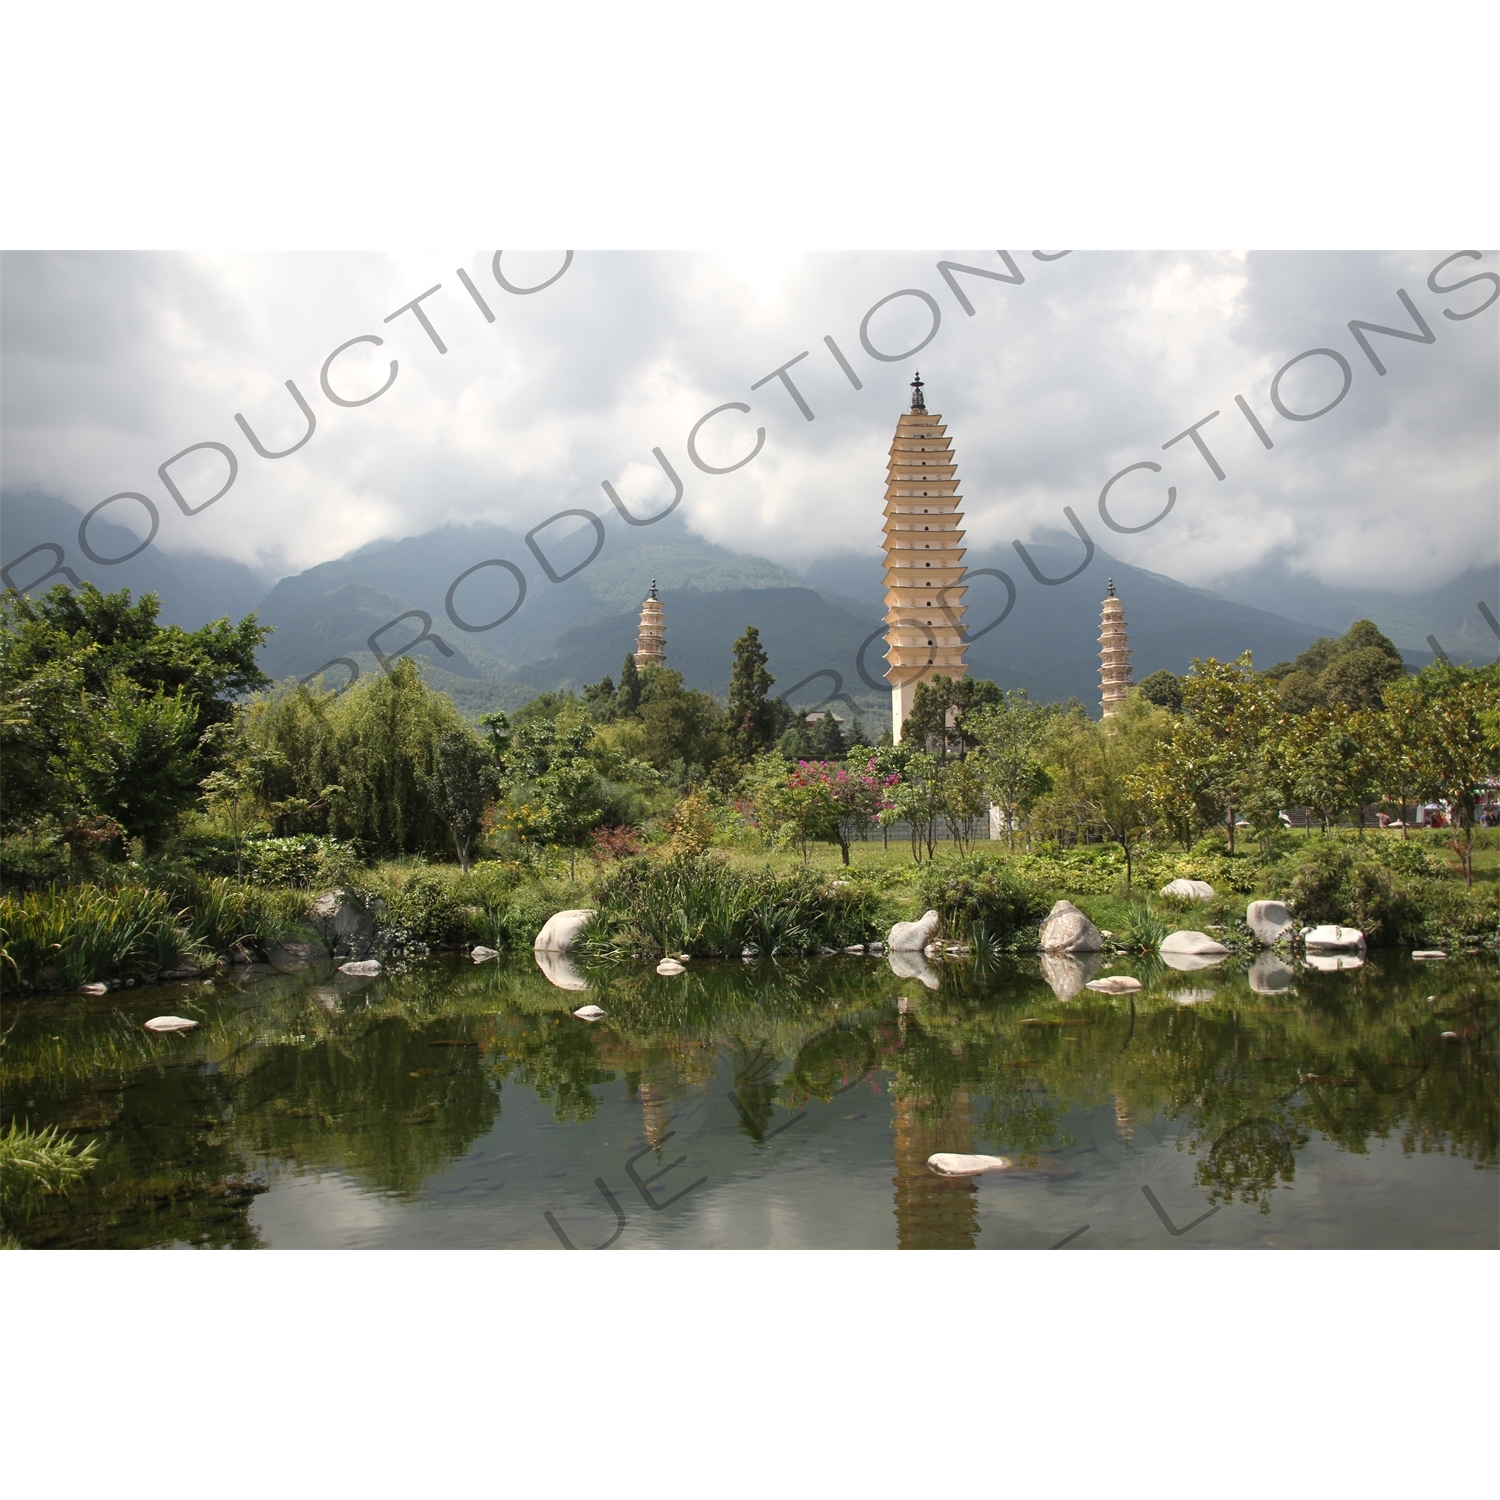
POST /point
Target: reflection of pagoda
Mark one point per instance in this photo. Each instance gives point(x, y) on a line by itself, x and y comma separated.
point(651, 641)
point(1114, 654)
point(932, 1212)
point(924, 558)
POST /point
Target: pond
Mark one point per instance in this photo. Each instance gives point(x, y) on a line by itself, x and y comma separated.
point(776, 1104)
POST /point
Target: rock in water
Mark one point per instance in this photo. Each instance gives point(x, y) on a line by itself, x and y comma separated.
point(482, 955)
point(1268, 920)
point(1429, 953)
point(1067, 930)
point(954, 1164)
point(670, 966)
point(170, 1023)
point(589, 1013)
point(1196, 944)
point(1333, 939)
point(913, 937)
point(93, 989)
point(362, 967)
point(1115, 984)
point(1189, 890)
point(562, 930)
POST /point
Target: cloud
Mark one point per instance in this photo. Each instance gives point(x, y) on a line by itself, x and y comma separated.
point(112, 363)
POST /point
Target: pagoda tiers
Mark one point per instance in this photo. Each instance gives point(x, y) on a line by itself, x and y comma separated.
point(924, 558)
point(651, 639)
point(1114, 654)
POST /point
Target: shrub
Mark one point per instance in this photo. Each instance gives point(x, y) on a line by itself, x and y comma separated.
point(305, 860)
point(1331, 885)
point(703, 905)
point(969, 891)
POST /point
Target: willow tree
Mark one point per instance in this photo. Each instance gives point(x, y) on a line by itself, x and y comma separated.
point(356, 764)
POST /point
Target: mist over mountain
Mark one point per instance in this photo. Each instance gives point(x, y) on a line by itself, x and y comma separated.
point(193, 589)
point(814, 626)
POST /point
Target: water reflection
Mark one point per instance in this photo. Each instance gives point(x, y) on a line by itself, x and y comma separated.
point(826, 1077)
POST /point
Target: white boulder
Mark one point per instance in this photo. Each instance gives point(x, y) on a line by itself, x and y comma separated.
point(589, 1013)
point(1067, 930)
point(363, 967)
point(1189, 890)
point(1115, 984)
point(855, 948)
point(669, 967)
point(955, 1164)
point(170, 1023)
point(562, 930)
point(913, 937)
point(482, 955)
point(1198, 944)
point(1268, 920)
point(1333, 939)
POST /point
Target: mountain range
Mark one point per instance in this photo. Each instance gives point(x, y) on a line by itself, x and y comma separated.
point(813, 624)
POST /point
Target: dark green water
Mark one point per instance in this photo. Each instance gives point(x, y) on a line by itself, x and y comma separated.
point(775, 1105)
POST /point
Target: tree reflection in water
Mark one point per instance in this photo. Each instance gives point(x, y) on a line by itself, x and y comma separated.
point(392, 1082)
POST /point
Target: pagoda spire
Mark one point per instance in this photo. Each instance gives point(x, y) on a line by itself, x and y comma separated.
point(1114, 654)
point(924, 558)
point(651, 639)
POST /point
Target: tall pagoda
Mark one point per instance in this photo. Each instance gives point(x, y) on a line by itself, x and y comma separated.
point(1114, 654)
point(651, 639)
point(924, 558)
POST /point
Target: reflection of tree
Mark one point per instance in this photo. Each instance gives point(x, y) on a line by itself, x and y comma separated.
point(326, 1079)
point(1249, 1159)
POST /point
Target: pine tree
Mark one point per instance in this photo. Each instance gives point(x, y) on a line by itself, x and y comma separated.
point(628, 698)
point(753, 715)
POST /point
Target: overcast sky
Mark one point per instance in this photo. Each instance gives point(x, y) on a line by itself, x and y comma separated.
point(111, 363)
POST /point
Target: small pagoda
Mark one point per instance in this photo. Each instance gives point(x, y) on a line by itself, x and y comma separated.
point(651, 638)
point(1114, 654)
point(924, 558)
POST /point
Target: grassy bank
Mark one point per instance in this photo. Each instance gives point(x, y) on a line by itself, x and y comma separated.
point(168, 915)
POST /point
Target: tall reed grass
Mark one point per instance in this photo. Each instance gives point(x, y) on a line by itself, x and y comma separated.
point(704, 906)
point(70, 935)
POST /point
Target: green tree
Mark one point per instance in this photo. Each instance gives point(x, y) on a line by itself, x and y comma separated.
point(353, 764)
point(1456, 748)
point(1010, 735)
point(1229, 708)
point(96, 695)
point(941, 709)
point(464, 781)
point(1164, 689)
point(628, 699)
point(753, 715)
